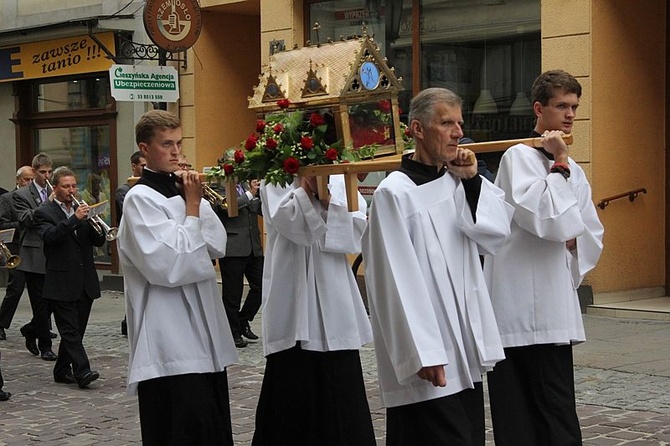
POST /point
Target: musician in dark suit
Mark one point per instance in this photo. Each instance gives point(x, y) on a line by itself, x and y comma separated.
point(17, 280)
point(26, 201)
point(244, 257)
point(71, 281)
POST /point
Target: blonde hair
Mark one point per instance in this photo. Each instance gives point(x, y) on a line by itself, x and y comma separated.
point(146, 127)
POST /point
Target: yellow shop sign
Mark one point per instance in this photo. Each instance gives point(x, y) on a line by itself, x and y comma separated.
point(49, 58)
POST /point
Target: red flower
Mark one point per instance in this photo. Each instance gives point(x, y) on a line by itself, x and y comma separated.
point(260, 125)
point(331, 154)
point(316, 120)
point(291, 165)
point(250, 143)
point(278, 128)
point(228, 169)
point(408, 132)
point(306, 143)
point(271, 144)
point(384, 106)
point(239, 156)
point(283, 103)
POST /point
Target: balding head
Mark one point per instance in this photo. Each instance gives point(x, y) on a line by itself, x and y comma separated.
point(24, 176)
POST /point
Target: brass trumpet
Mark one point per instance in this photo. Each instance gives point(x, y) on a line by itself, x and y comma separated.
point(208, 192)
point(97, 222)
point(211, 195)
point(11, 260)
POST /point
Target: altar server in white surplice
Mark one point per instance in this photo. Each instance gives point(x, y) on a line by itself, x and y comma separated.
point(180, 340)
point(314, 321)
point(556, 239)
point(434, 329)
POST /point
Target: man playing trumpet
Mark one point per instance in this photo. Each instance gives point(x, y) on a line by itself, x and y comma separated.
point(180, 341)
point(71, 282)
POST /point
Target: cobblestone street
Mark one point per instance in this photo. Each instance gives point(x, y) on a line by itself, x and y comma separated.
point(622, 374)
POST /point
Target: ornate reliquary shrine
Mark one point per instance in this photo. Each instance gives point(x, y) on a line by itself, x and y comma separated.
point(351, 82)
point(347, 81)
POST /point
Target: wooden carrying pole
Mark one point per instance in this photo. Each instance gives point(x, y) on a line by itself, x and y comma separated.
point(388, 163)
point(230, 186)
point(351, 170)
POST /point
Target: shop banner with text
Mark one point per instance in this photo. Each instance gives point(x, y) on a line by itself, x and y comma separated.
point(50, 58)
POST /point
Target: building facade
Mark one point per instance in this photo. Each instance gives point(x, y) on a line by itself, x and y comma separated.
point(488, 51)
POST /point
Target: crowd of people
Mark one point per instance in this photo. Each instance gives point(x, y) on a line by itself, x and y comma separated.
point(440, 317)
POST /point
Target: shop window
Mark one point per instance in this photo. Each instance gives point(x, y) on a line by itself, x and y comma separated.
point(487, 51)
point(346, 18)
point(74, 94)
point(73, 120)
point(85, 150)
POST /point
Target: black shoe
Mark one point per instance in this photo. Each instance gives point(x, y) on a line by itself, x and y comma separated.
point(3, 335)
point(49, 355)
point(87, 379)
point(4, 396)
point(52, 335)
point(31, 343)
point(68, 378)
point(247, 333)
point(240, 343)
point(124, 328)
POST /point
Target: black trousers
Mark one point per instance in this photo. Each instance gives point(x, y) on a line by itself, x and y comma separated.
point(71, 320)
point(313, 398)
point(532, 395)
point(233, 271)
point(13, 293)
point(39, 325)
point(191, 409)
point(454, 420)
point(2, 381)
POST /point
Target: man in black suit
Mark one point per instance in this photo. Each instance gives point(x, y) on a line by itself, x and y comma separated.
point(244, 257)
point(137, 163)
point(25, 202)
point(71, 281)
point(17, 280)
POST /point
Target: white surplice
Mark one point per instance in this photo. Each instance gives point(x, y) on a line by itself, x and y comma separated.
point(428, 300)
point(534, 278)
point(310, 294)
point(176, 320)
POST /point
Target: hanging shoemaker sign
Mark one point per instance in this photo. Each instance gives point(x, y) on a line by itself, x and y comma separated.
point(173, 25)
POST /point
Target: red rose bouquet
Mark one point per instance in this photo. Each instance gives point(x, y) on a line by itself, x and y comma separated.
point(282, 143)
point(407, 137)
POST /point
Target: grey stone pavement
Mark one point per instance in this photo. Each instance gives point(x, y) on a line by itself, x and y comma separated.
point(622, 379)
